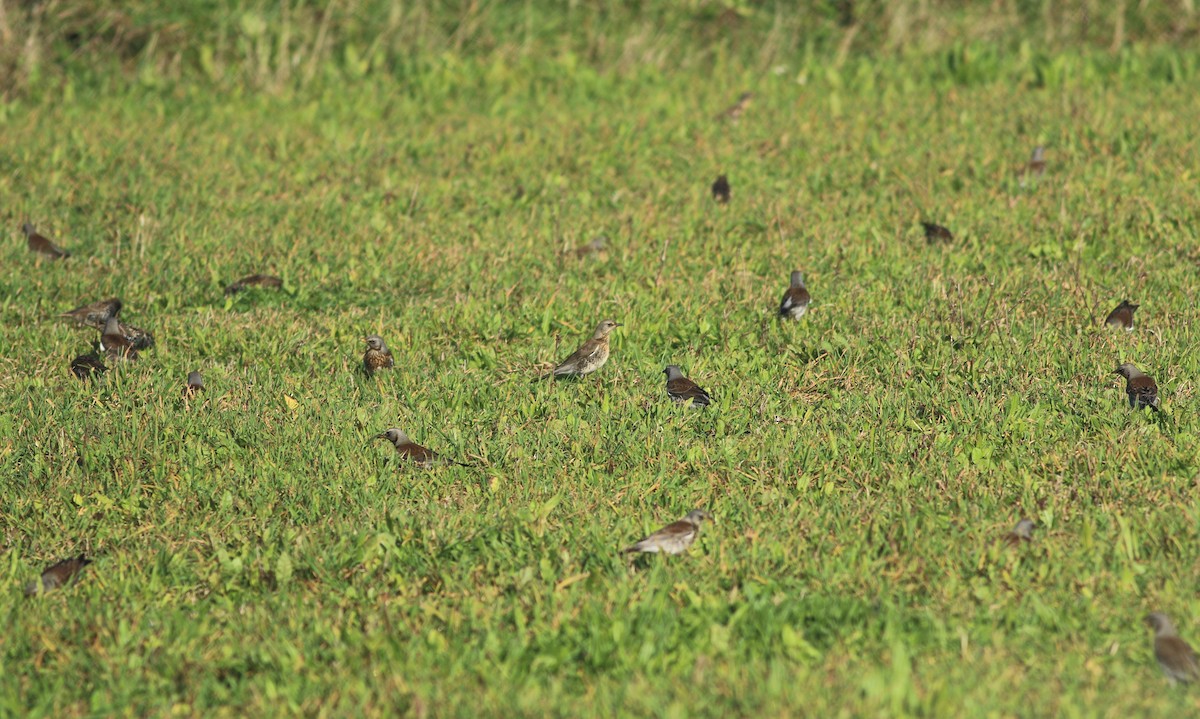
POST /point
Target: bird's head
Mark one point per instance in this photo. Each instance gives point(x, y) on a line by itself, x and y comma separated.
point(394, 435)
point(797, 278)
point(1160, 624)
point(672, 372)
point(696, 516)
point(375, 342)
point(1024, 528)
point(1127, 370)
point(195, 379)
point(27, 229)
point(604, 329)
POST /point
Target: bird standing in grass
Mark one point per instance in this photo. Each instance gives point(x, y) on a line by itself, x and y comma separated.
point(195, 385)
point(795, 301)
point(590, 356)
point(682, 390)
point(1020, 534)
point(936, 233)
point(735, 111)
point(721, 191)
point(377, 356)
point(1036, 167)
point(87, 366)
point(42, 245)
point(94, 315)
point(115, 343)
point(1141, 388)
point(1122, 316)
point(57, 575)
point(410, 450)
point(675, 538)
point(1176, 658)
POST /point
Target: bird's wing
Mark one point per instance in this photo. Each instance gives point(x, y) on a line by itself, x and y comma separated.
point(580, 356)
point(684, 388)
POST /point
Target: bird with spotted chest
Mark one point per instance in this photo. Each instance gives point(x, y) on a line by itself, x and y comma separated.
point(411, 451)
point(675, 538)
point(377, 356)
point(1141, 387)
point(590, 356)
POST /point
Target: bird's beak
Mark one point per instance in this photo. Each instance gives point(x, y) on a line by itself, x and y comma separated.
point(618, 324)
point(381, 435)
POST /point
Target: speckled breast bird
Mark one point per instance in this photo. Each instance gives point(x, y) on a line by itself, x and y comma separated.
point(1020, 534)
point(721, 191)
point(936, 233)
point(94, 315)
point(674, 538)
point(1141, 388)
point(1176, 658)
point(255, 280)
point(377, 356)
point(1037, 162)
point(194, 386)
point(87, 366)
point(116, 344)
point(1122, 316)
point(57, 575)
point(410, 450)
point(682, 390)
point(590, 356)
point(42, 245)
point(795, 300)
point(735, 111)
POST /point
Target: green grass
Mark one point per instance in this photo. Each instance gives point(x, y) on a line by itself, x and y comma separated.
point(256, 554)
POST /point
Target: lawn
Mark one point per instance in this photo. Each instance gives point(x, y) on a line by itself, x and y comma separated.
point(257, 553)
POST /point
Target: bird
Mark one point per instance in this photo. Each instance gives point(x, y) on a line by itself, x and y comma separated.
point(1141, 388)
point(195, 385)
point(597, 245)
point(377, 356)
point(590, 356)
point(57, 575)
point(936, 233)
point(1122, 316)
point(42, 245)
point(408, 449)
point(1023, 532)
point(795, 301)
point(721, 190)
point(115, 343)
point(87, 366)
point(1037, 162)
point(96, 314)
point(735, 111)
point(1176, 658)
point(255, 280)
point(682, 390)
point(674, 538)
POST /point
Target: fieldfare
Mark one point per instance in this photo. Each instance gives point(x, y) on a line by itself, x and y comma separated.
point(408, 449)
point(377, 356)
point(1176, 658)
point(1037, 162)
point(57, 575)
point(721, 190)
point(597, 245)
point(674, 538)
point(42, 245)
point(736, 110)
point(87, 366)
point(682, 390)
point(94, 315)
point(795, 301)
point(590, 356)
point(1023, 532)
point(1122, 316)
point(255, 280)
point(936, 233)
point(1140, 387)
point(115, 343)
point(195, 385)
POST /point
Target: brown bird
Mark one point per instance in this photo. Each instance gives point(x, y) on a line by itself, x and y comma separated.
point(721, 190)
point(674, 538)
point(735, 111)
point(195, 385)
point(410, 450)
point(590, 356)
point(597, 245)
point(255, 280)
point(1023, 532)
point(795, 301)
point(87, 366)
point(57, 575)
point(1176, 658)
point(1122, 316)
point(682, 390)
point(1037, 162)
point(94, 315)
point(936, 233)
point(377, 356)
point(42, 245)
point(115, 343)
point(1141, 388)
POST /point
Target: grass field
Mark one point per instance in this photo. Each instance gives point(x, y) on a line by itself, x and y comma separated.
point(255, 553)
